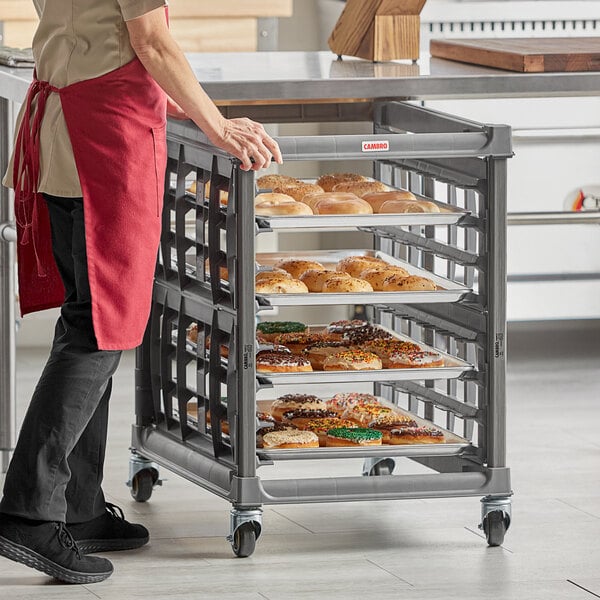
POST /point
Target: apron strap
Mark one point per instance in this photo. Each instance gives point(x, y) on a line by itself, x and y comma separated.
point(26, 170)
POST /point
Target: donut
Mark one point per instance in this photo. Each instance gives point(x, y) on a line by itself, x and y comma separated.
point(265, 417)
point(270, 428)
point(341, 285)
point(270, 361)
point(223, 350)
point(412, 283)
point(345, 325)
point(363, 414)
point(274, 274)
point(283, 209)
point(349, 436)
point(308, 413)
point(317, 353)
point(290, 438)
point(330, 180)
point(377, 275)
point(386, 423)
point(360, 188)
point(352, 360)
point(269, 330)
point(223, 273)
point(268, 182)
point(415, 359)
point(298, 190)
point(403, 206)
point(360, 335)
point(313, 199)
point(415, 435)
point(321, 426)
point(296, 342)
point(290, 402)
point(376, 199)
point(355, 265)
point(333, 206)
point(296, 266)
point(387, 347)
point(224, 423)
point(191, 333)
point(280, 285)
point(342, 402)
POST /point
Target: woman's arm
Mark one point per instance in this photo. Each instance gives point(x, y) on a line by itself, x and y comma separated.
point(159, 53)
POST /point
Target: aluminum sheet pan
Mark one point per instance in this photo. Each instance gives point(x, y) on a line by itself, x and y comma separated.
point(449, 292)
point(454, 445)
point(452, 369)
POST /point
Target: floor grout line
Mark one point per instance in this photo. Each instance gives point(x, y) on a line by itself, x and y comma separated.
point(91, 592)
point(292, 521)
point(585, 512)
point(262, 595)
point(389, 572)
point(480, 535)
point(583, 588)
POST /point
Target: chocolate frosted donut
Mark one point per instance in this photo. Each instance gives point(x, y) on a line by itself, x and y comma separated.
point(367, 333)
point(416, 435)
point(268, 361)
point(291, 402)
point(318, 352)
point(345, 326)
point(306, 413)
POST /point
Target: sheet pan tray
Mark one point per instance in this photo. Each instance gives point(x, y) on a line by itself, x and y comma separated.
point(448, 291)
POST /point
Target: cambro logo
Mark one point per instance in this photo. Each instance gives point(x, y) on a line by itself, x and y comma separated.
point(379, 146)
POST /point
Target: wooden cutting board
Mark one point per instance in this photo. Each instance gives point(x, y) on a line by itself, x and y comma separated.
point(526, 55)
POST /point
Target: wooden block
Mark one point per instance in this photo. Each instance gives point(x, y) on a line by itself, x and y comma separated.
point(230, 8)
point(215, 35)
point(378, 30)
point(396, 37)
point(19, 34)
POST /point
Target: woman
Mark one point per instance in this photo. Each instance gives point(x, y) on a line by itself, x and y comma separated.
point(88, 175)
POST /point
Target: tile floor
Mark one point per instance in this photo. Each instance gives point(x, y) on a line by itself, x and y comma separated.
point(421, 549)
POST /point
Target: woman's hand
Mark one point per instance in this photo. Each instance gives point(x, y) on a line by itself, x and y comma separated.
point(174, 110)
point(248, 141)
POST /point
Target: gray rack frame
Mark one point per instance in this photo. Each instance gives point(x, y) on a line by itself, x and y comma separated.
point(460, 154)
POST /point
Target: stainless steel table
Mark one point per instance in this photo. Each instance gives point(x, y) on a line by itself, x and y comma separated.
point(256, 84)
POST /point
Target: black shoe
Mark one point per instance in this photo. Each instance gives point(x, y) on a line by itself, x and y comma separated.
point(108, 532)
point(47, 546)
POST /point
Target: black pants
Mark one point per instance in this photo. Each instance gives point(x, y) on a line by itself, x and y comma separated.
point(56, 470)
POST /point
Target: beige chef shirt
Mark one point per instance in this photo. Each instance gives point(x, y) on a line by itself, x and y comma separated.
point(75, 40)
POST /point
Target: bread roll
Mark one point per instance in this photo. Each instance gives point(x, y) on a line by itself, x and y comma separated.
point(223, 194)
point(355, 265)
point(378, 275)
point(315, 278)
point(337, 285)
point(298, 190)
point(376, 199)
point(329, 181)
point(274, 274)
point(284, 209)
point(268, 182)
point(281, 285)
point(403, 206)
point(314, 198)
point(412, 283)
point(296, 266)
point(333, 206)
point(360, 188)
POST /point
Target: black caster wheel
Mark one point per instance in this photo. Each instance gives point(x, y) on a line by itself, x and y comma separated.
point(142, 484)
point(384, 467)
point(244, 540)
point(495, 526)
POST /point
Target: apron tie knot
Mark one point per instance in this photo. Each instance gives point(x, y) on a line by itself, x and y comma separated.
point(26, 170)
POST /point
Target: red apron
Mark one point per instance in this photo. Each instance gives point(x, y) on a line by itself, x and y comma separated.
point(116, 124)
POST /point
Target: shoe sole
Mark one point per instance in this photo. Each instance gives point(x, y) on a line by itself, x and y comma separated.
point(93, 546)
point(28, 557)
